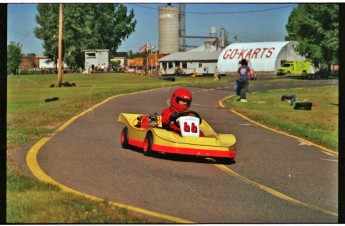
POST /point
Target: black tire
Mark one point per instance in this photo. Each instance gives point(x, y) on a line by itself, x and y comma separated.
point(288, 97)
point(124, 138)
point(147, 147)
point(310, 76)
point(51, 99)
point(303, 106)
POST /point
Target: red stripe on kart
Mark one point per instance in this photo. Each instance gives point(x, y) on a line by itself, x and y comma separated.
point(185, 151)
point(137, 143)
point(192, 151)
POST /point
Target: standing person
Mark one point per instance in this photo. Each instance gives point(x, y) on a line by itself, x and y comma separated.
point(242, 77)
point(216, 74)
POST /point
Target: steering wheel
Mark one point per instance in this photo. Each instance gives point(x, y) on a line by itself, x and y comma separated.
point(175, 116)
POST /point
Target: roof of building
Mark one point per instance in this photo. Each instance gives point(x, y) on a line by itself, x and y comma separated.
point(96, 50)
point(120, 54)
point(206, 48)
point(192, 56)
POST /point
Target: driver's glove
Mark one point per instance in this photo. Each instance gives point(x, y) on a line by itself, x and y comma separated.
point(173, 117)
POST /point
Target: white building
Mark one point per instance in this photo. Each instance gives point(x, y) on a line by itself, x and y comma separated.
point(201, 60)
point(48, 64)
point(120, 57)
point(262, 56)
point(96, 58)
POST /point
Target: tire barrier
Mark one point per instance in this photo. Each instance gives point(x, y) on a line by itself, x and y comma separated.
point(172, 79)
point(303, 106)
point(65, 84)
point(51, 99)
point(291, 98)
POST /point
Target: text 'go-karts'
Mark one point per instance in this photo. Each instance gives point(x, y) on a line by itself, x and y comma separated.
point(146, 132)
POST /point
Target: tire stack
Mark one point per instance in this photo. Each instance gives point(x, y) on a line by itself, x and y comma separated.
point(303, 106)
point(298, 105)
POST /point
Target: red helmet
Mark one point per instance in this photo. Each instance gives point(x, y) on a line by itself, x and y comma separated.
point(181, 95)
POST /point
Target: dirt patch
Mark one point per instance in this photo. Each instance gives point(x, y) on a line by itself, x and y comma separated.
point(16, 158)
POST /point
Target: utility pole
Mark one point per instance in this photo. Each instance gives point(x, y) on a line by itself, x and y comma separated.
point(182, 17)
point(60, 71)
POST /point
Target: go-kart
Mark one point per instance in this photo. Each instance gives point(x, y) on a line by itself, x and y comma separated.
point(197, 138)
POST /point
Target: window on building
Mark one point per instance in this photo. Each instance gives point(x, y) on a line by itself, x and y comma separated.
point(90, 55)
point(200, 65)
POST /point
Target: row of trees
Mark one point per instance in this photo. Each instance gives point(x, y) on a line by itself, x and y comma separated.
point(14, 57)
point(316, 29)
point(85, 26)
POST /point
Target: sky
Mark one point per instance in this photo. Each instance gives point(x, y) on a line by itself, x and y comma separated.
point(250, 22)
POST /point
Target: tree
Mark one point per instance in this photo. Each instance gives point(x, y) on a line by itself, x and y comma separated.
point(86, 26)
point(316, 29)
point(14, 57)
point(48, 19)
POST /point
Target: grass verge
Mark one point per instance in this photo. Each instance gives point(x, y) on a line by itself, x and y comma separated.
point(30, 201)
point(319, 125)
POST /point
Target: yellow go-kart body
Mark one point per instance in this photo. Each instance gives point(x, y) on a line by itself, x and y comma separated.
point(142, 132)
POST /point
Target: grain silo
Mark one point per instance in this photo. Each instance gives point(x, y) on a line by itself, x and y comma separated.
point(169, 25)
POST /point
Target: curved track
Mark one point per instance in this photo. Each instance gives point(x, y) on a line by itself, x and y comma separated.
point(276, 178)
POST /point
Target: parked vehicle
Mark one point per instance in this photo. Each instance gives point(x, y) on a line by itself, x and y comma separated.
point(294, 68)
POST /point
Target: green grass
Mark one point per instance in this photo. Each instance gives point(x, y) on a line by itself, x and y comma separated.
point(30, 201)
point(320, 125)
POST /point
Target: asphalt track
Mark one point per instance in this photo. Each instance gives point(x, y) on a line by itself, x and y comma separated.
point(276, 178)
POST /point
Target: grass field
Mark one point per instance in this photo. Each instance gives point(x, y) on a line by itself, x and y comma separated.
point(30, 117)
point(319, 125)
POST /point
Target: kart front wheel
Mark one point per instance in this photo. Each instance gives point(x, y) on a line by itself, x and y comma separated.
point(147, 148)
point(124, 138)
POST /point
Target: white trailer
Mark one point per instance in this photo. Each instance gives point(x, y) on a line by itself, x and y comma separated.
point(96, 58)
point(48, 64)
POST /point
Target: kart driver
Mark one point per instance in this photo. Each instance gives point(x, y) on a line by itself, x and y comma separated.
point(180, 101)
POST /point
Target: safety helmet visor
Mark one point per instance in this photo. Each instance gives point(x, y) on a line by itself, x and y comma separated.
point(183, 101)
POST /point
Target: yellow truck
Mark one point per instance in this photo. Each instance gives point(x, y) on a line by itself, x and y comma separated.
point(294, 68)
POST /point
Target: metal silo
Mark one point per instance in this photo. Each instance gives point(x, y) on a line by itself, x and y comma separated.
point(169, 25)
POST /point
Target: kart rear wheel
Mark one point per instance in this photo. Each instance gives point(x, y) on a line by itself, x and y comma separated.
point(147, 147)
point(124, 138)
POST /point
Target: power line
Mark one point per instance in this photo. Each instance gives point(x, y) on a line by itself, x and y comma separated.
point(27, 34)
point(230, 12)
point(19, 32)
